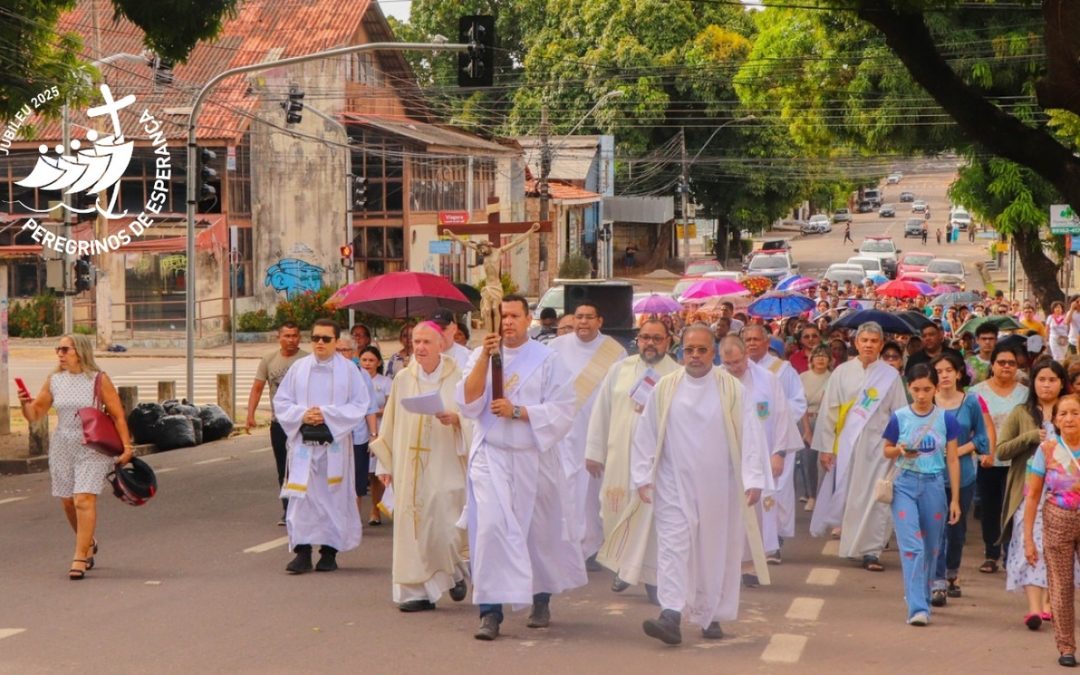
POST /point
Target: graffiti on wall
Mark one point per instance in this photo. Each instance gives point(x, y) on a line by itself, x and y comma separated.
point(294, 277)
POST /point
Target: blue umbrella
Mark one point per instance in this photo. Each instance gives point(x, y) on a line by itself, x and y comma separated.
point(878, 279)
point(890, 322)
point(780, 304)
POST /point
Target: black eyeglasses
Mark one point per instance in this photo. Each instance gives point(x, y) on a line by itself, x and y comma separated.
point(64, 349)
point(325, 339)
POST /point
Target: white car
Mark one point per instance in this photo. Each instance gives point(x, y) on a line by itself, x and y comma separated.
point(960, 218)
point(870, 266)
point(882, 248)
point(841, 272)
point(818, 224)
point(947, 266)
point(918, 206)
point(894, 178)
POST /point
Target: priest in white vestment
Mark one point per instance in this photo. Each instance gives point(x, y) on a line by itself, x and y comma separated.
point(859, 398)
point(757, 346)
point(323, 388)
point(782, 437)
point(618, 407)
point(519, 546)
point(588, 355)
point(424, 455)
point(698, 456)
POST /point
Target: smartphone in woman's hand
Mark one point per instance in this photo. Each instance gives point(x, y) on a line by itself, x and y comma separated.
point(22, 387)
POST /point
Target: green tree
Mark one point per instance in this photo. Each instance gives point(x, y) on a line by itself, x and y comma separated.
point(35, 56)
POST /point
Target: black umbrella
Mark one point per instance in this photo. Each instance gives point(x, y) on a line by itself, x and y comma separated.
point(470, 293)
point(916, 319)
point(890, 322)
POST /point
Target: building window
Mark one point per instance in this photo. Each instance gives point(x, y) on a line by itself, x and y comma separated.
point(381, 164)
point(379, 250)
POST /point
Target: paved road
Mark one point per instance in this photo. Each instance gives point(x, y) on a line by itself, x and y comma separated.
point(176, 592)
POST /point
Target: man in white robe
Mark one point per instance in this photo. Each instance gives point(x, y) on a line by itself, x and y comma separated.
point(323, 388)
point(444, 319)
point(588, 355)
point(618, 407)
point(698, 457)
point(782, 437)
point(520, 550)
point(424, 455)
point(859, 398)
point(757, 346)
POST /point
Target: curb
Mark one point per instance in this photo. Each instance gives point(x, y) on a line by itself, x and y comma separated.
point(40, 463)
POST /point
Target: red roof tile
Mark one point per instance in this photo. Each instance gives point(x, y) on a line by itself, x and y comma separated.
point(561, 191)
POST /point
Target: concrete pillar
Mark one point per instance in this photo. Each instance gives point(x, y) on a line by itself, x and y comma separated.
point(166, 390)
point(129, 398)
point(224, 394)
point(5, 401)
point(39, 437)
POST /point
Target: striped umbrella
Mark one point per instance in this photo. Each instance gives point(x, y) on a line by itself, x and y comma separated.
point(796, 282)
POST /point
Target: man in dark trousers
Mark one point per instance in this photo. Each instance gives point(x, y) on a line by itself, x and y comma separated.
point(847, 234)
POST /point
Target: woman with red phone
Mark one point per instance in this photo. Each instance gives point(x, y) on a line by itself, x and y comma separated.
point(78, 472)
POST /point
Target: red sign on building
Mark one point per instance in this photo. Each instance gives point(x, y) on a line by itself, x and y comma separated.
point(453, 217)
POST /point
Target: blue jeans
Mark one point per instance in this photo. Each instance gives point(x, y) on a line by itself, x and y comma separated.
point(497, 610)
point(919, 513)
point(954, 536)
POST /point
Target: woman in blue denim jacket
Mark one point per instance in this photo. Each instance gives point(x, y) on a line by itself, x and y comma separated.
point(976, 437)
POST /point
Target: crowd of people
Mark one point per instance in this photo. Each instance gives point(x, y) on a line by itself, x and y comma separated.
point(545, 453)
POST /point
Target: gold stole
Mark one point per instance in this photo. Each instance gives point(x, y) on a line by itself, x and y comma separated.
point(595, 370)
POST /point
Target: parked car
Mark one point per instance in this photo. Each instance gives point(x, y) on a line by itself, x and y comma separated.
point(947, 267)
point(960, 218)
point(894, 178)
point(683, 284)
point(841, 272)
point(913, 261)
point(773, 265)
point(922, 277)
point(818, 224)
point(886, 211)
point(874, 196)
point(918, 206)
point(842, 216)
point(733, 276)
point(907, 197)
point(696, 268)
point(913, 228)
point(871, 266)
point(882, 248)
point(865, 206)
point(553, 297)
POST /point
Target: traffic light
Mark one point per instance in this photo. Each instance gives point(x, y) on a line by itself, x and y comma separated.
point(476, 67)
point(206, 173)
point(294, 106)
point(346, 255)
point(359, 192)
point(83, 280)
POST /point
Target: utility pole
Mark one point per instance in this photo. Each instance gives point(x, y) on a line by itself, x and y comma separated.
point(684, 189)
point(69, 259)
point(545, 170)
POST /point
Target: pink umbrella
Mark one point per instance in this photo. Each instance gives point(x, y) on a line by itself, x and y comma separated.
point(712, 288)
point(400, 295)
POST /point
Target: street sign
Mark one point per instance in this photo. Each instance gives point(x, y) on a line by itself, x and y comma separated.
point(441, 247)
point(679, 231)
point(453, 217)
point(1063, 220)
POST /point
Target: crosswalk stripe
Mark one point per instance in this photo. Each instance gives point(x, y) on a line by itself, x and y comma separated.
point(832, 548)
point(212, 461)
point(822, 576)
point(11, 499)
point(267, 546)
point(784, 648)
point(805, 609)
point(8, 632)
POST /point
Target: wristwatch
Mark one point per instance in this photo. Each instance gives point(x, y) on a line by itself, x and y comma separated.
point(516, 413)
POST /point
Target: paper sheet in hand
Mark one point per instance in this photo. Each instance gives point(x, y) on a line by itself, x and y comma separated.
point(386, 506)
point(425, 404)
point(642, 389)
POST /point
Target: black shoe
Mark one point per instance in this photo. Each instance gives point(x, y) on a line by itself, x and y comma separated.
point(327, 559)
point(713, 632)
point(417, 606)
point(954, 589)
point(540, 616)
point(591, 565)
point(302, 562)
point(938, 597)
point(618, 585)
point(1067, 660)
point(459, 591)
point(489, 628)
point(650, 592)
point(750, 580)
point(666, 628)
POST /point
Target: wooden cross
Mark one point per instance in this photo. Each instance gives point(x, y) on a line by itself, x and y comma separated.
point(494, 228)
point(419, 461)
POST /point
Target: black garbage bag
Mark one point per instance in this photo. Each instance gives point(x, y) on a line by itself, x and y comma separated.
point(182, 407)
point(215, 421)
point(174, 431)
point(143, 420)
point(197, 427)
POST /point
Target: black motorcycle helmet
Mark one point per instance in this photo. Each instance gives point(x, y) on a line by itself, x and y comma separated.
point(134, 484)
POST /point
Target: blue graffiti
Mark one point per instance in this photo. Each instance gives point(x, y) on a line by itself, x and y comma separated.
point(294, 277)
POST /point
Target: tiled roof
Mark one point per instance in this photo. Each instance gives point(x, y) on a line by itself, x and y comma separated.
point(431, 135)
point(562, 192)
point(261, 30)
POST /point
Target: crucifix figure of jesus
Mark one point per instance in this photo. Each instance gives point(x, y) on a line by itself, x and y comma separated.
point(491, 294)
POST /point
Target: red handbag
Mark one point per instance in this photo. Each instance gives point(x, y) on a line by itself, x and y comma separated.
point(99, 430)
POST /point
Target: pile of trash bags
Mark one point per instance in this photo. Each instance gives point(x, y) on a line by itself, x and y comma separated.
point(178, 424)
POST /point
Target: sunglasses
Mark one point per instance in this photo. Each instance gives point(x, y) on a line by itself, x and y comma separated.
point(64, 349)
point(325, 339)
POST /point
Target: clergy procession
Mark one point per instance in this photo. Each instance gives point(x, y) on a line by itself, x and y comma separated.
point(518, 468)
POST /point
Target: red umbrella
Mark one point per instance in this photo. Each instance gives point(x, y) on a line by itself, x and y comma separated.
point(900, 289)
point(400, 295)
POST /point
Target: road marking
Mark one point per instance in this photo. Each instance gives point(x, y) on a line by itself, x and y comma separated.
point(258, 450)
point(153, 583)
point(832, 548)
point(165, 470)
point(8, 632)
point(805, 609)
point(784, 648)
point(822, 576)
point(11, 499)
point(212, 461)
point(268, 546)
